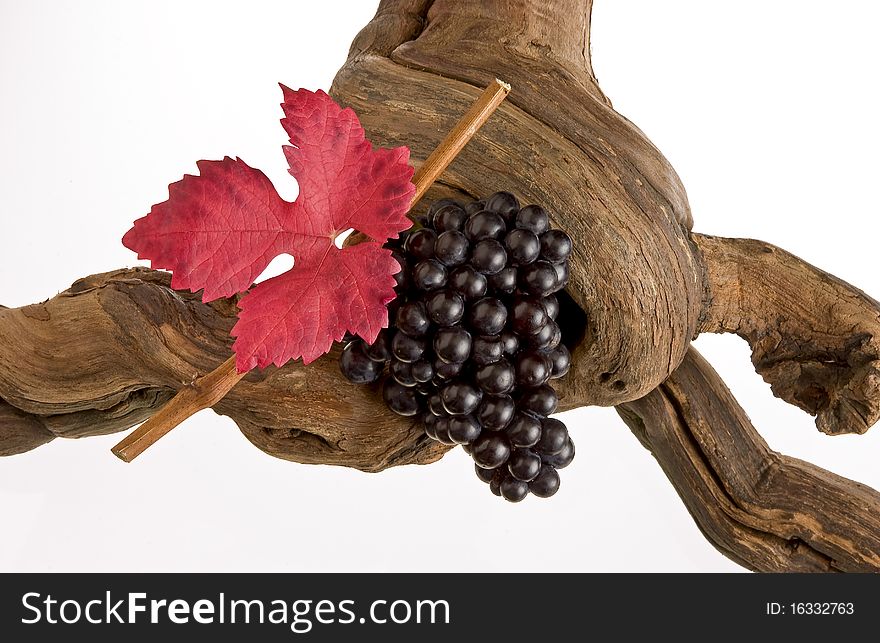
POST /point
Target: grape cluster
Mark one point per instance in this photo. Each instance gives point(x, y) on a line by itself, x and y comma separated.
point(474, 342)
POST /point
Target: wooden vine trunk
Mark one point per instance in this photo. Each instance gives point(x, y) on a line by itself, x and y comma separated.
point(122, 343)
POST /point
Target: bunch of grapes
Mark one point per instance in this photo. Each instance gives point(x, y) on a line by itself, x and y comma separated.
point(474, 342)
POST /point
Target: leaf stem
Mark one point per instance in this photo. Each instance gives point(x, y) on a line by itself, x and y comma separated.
point(205, 391)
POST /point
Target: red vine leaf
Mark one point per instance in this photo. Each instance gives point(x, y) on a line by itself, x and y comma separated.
point(218, 231)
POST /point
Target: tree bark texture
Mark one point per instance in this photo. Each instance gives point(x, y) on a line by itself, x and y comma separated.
point(105, 354)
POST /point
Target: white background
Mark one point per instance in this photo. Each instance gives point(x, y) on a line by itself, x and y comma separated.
point(768, 110)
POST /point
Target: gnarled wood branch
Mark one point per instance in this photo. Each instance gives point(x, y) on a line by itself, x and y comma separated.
point(105, 354)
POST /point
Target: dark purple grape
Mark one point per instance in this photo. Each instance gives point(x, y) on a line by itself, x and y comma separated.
point(449, 217)
point(400, 399)
point(547, 338)
point(402, 373)
point(504, 203)
point(380, 350)
point(528, 316)
point(524, 430)
point(465, 429)
point(561, 270)
point(406, 348)
point(510, 342)
point(561, 359)
point(485, 225)
point(451, 248)
point(429, 275)
point(496, 378)
point(532, 368)
point(442, 431)
point(445, 307)
point(488, 256)
point(533, 218)
point(551, 306)
point(498, 476)
point(422, 371)
point(523, 247)
point(420, 244)
point(430, 422)
point(538, 278)
point(437, 205)
point(357, 366)
point(412, 319)
point(468, 282)
point(555, 246)
point(491, 450)
point(563, 458)
point(460, 398)
point(546, 483)
point(487, 350)
point(452, 344)
point(524, 464)
point(504, 281)
point(488, 316)
point(541, 400)
point(485, 475)
point(554, 436)
point(475, 206)
point(446, 370)
point(466, 448)
point(435, 405)
point(513, 490)
point(496, 411)
point(401, 278)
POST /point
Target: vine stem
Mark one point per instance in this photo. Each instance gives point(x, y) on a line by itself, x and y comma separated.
point(205, 391)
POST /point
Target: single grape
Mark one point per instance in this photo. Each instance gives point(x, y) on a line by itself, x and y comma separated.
point(429, 275)
point(446, 370)
point(554, 436)
point(561, 270)
point(435, 405)
point(488, 256)
point(402, 373)
point(503, 282)
point(504, 203)
point(485, 475)
point(452, 248)
point(532, 368)
point(541, 400)
point(468, 282)
point(464, 429)
point(555, 246)
point(510, 342)
point(523, 247)
point(528, 316)
point(485, 225)
point(487, 349)
point(442, 431)
point(514, 490)
point(551, 306)
point(412, 319)
point(401, 278)
point(420, 243)
point(547, 338)
point(422, 371)
point(357, 366)
point(406, 348)
point(475, 206)
point(445, 307)
point(452, 344)
point(380, 350)
point(563, 458)
point(496, 378)
point(561, 359)
point(533, 218)
point(498, 476)
point(524, 464)
point(449, 217)
point(488, 316)
point(400, 399)
point(524, 430)
point(430, 422)
point(538, 278)
point(490, 450)
point(439, 204)
point(496, 411)
point(546, 483)
point(460, 398)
